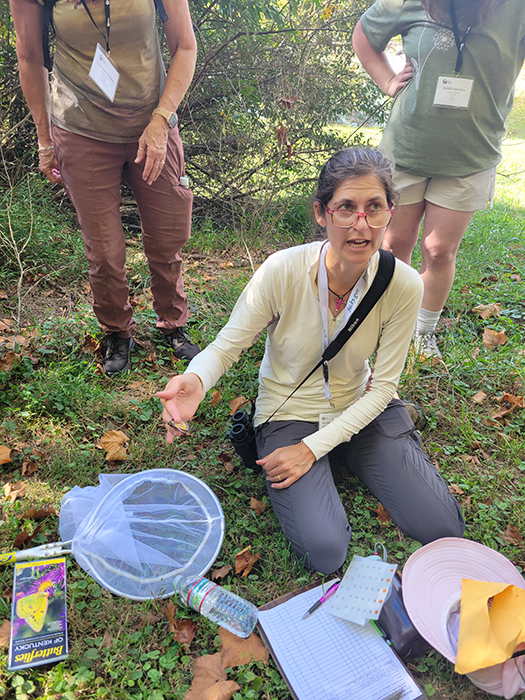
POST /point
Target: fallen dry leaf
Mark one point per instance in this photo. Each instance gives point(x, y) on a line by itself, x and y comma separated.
point(107, 640)
point(516, 277)
point(5, 454)
point(512, 535)
point(493, 339)
point(512, 401)
point(220, 573)
point(113, 442)
point(5, 633)
point(455, 490)
point(148, 619)
point(383, 516)
point(7, 363)
point(184, 631)
point(244, 561)
point(91, 345)
point(210, 681)
point(6, 323)
point(170, 614)
point(14, 491)
point(448, 323)
point(475, 352)
point(257, 506)
point(237, 651)
point(40, 514)
point(216, 398)
point(28, 468)
point(236, 404)
point(471, 459)
point(227, 461)
point(487, 310)
point(21, 539)
point(479, 397)
point(24, 538)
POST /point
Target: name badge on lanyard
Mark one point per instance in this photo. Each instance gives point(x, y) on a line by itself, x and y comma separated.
point(103, 71)
point(453, 91)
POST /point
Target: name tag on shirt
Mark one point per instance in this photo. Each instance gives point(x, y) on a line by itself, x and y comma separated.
point(453, 92)
point(104, 73)
point(326, 418)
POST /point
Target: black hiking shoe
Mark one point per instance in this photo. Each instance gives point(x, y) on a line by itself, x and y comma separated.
point(181, 344)
point(118, 354)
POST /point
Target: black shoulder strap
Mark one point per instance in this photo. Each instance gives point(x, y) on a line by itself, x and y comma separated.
point(160, 9)
point(47, 21)
point(385, 271)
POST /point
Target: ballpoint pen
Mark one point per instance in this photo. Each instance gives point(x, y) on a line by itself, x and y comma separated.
point(380, 631)
point(322, 600)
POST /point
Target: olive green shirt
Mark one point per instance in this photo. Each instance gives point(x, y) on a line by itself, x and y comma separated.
point(428, 140)
point(77, 103)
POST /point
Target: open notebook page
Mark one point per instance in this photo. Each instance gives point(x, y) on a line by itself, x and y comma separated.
point(327, 658)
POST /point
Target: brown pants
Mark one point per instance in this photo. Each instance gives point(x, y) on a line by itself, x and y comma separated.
point(91, 172)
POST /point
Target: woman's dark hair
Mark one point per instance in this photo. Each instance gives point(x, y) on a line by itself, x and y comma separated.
point(351, 163)
point(478, 10)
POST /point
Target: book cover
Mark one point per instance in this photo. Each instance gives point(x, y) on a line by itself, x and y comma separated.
point(38, 614)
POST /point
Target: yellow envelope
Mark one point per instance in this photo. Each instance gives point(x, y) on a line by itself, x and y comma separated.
point(491, 624)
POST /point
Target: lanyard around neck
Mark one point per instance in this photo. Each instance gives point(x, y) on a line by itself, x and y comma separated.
point(322, 285)
point(460, 42)
point(106, 14)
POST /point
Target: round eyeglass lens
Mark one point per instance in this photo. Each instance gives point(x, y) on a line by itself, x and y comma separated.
point(375, 218)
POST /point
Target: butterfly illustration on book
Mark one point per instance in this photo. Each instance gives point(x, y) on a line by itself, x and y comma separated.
point(33, 608)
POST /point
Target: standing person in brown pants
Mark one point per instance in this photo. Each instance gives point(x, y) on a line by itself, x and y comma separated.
point(112, 109)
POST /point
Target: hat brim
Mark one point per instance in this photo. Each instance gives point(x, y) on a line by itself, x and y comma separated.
point(432, 580)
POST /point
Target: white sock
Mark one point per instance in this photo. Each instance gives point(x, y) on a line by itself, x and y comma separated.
point(427, 321)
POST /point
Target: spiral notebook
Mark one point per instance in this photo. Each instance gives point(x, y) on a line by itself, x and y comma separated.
point(327, 658)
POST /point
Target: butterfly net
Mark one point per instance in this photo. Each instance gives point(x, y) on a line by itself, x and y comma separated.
point(135, 533)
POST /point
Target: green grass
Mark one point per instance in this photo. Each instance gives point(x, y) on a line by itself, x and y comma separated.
point(55, 405)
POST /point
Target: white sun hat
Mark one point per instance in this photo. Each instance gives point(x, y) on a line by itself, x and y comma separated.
point(432, 580)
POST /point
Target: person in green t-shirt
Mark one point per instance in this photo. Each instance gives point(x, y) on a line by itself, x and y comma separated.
point(446, 126)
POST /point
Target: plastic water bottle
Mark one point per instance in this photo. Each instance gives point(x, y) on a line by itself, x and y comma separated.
point(217, 604)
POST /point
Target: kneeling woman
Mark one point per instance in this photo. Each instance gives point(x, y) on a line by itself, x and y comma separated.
point(304, 295)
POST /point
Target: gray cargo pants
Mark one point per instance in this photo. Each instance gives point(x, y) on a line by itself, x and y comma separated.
point(388, 458)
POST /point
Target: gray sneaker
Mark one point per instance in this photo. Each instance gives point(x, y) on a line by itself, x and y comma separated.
point(118, 354)
point(426, 345)
point(181, 344)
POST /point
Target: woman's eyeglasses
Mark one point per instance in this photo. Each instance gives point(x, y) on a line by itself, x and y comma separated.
point(346, 218)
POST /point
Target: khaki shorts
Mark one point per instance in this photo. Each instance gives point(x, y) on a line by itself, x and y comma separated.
point(458, 193)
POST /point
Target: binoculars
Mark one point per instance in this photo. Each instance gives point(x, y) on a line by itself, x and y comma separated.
point(242, 437)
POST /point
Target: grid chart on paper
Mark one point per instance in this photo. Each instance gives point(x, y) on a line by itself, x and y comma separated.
point(363, 590)
point(325, 657)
